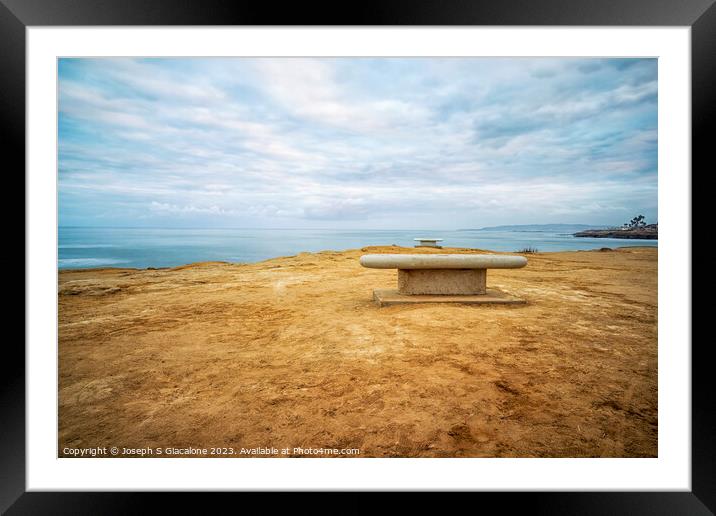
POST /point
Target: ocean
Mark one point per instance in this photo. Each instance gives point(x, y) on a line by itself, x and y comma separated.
point(84, 247)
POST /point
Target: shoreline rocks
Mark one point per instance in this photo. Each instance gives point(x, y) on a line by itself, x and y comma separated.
point(650, 232)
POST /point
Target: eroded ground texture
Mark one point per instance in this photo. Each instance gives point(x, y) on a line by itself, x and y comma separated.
point(292, 352)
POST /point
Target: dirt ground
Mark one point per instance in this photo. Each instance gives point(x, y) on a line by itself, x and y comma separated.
point(292, 352)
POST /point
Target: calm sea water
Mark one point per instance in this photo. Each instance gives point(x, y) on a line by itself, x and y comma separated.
point(141, 248)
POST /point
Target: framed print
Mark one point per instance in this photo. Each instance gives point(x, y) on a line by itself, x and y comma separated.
point(221, 203)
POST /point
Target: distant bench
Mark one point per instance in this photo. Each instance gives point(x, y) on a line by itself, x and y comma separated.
point(442, 277)
point(428, 242)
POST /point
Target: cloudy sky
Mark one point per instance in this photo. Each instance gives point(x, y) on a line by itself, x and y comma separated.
point(356, 143)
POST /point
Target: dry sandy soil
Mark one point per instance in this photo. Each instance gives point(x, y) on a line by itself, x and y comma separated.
point(292, 352)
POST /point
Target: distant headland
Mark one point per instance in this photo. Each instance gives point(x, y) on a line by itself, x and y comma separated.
point(636, 228)
point(649, 232)
point(567, 228)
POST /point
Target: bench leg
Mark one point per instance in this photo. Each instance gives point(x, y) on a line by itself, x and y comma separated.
point(442, 281)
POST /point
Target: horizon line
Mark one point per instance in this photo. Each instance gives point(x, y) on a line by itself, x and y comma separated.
point(336, 228)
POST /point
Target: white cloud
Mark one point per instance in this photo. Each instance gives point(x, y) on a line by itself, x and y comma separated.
point(294, 141)
point(312, 89)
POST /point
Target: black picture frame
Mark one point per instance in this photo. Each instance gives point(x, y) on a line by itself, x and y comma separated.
point(16, 15)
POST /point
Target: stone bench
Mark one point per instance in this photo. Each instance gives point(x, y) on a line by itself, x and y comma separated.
point(428, 242)
point(442, 277)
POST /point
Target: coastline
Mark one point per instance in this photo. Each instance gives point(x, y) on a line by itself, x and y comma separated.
point(363, 249)
point(80, 248)
point(629, 234)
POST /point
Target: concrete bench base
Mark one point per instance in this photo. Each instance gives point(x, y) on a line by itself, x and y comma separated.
point(491, 296)
point(442, 281)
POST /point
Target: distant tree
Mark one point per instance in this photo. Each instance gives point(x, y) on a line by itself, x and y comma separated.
point(637, 222)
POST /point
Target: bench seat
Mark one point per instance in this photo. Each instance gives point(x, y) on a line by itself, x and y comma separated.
point(442, 261)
